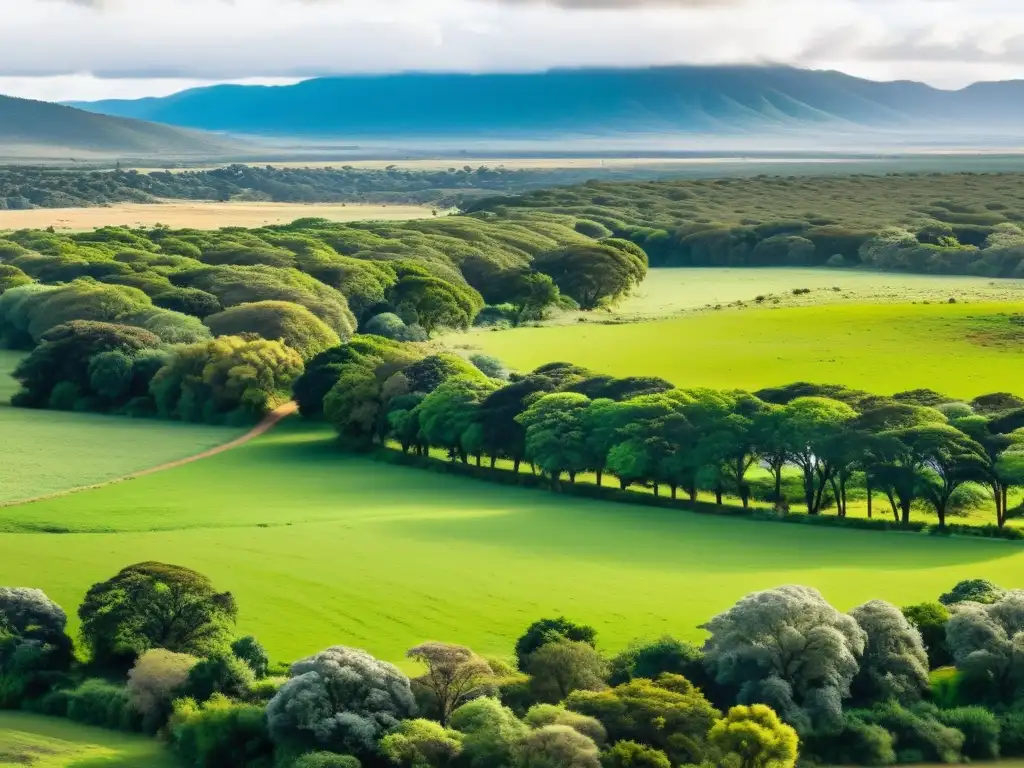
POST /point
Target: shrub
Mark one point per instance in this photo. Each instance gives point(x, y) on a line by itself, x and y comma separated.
point(490, 366)
point(653, 658)
point(221, 734)
point(754, 736)
point(979, 727)
point(629, 754)
point(548, 631)
point(391, 326)
point(556, 746)
point(491, 732)
point(421, 744)
point(973, 590)
point(1011, 734)
point(154, 682)
point(97, 702)
point(249, 650)
point(221, 673)
point(556, 714)
point(326, 760)
point(557, 669)
point(188, 301)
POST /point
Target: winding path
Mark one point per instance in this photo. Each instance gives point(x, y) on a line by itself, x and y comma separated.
point(267, 423)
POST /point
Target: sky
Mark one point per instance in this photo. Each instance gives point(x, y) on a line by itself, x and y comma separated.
point(94, 49)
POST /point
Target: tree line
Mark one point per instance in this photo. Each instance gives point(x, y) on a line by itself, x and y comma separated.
point(117, 320)
point(932, 223)
point(822, 447)
point(781, 675)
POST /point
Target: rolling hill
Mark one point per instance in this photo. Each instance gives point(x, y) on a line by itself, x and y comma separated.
point(661, 101)
point(30, 129)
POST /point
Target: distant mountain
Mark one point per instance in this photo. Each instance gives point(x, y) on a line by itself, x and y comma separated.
point(585, 102)
point(37, 128)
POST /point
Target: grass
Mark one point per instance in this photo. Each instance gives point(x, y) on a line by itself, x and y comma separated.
point(323, 548)
point(963, 350)
point(44, 452)
point(201, 215)
point(31, 741)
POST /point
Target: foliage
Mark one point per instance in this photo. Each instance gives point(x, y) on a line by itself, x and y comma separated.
point(556, 746)
point(422, 744)
point(249, 650)
point(491, 732)
point(979, 727)
point(787, 648)
point(292, 324)
point(894, 664)
point(340, 698)
point(630, 754)
point(985, 642)
point(229, 379)
point(930, 620)
point(754, 737)
point(594, 272)
point(558, 668)
point(541, 715)
point(546, 631)
point(653, 658)
point(154, 681)
point(220, 734)
point(669, 714)
point(219, 673)
point(454, 675)
point(973, 590)
point(326, 760)
point(154, 605)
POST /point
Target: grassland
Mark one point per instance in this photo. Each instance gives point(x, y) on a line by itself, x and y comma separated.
point(31, 741)
point(963, 350)
point(201, 215)
point(323, 548)
point(44, 452)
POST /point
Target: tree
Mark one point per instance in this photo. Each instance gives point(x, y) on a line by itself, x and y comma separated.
point(249, 650)
point(220, 673)
point(529, 293)
point(754, 737)
point(154, 605)
point(326, 760)
point(974, 590)
point(545, 631)
point(454, 675)
point(556, 746)
point(422, 744)
point(540, 715)
point(593, 272)
point(291, 324)
point(556, 438)
point(228, 379)
point(948, 460)
point(559, 668)
point(29, 615)
point(630, 754)
point(987, 643)
point(435, 303)
point(930, 620)
point(813, 424)
point(224, 733)
point(669, 714)
point(895, 663)
point(502, 434)
point(450, 410)
point(787, 648)
point(491, 732)
point(653, 658)
point(12, 277)
point(341, 699)
point(154, 681)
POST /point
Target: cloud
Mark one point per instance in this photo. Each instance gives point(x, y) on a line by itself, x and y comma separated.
point(67, 42)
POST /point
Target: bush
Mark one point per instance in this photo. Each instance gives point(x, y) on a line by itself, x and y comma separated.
point(979, 727)
point(249, 650)
point(97, 702)
point(221, 673)
point(1011, 734)
point(490, 366)
point(188, 301)
point(153, 684)
point(556, 714)
point(556, 746)
point(220, 734)
point(326, 760)
point(857, 743)
point(629, 754)
point(391, 326)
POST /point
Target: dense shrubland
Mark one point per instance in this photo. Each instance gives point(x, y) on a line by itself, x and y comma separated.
point(821, 446)
point(215, 326)
point(942, 224)
point(782, 676)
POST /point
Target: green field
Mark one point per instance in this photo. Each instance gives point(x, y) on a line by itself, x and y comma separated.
point(961, 349)
point(31, 741)
point(323, 548)
point(44, 452)
point(669, 291)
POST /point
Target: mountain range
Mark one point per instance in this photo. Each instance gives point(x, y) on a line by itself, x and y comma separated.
point(725, 100)
point(37, 129)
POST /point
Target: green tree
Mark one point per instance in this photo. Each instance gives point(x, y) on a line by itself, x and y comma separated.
point(450, 410)
point(422, 744)
point(435, 303)
point(282, 321)
point(530, 294)
point(559, 668)
point(556, 436)
point(894, 665)
point(454, 675)
point(491, 732)
point(630, 754)
point(556, 746)
point(545, 631)
point(154, 605)
point(930, 620)
point(593, 272)
point(813, 426)
point(754, 737)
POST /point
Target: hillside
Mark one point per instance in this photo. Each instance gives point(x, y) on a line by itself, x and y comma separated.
point(592, 102)
point(38, 129)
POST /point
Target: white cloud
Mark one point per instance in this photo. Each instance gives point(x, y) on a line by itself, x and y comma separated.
point(64, 49)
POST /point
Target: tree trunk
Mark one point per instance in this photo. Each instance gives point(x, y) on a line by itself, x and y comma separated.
point(675, 489)
point(778, 484)
point(867, 484)
point(905, 508)
point(515, 465)
point(809, 492)
point(656, 490)
point(600, 477)
point(1006, 509)
point(494, 460)
point(623, 485)
point(718, 496)
point(572, 478)
point(478, 459)
point(691, 491)
point(940, 510)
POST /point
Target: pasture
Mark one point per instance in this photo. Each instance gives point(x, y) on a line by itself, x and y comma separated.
point(201, 215)
point(963, 350)
point(45, 452)
point(321, 547)
point(31, 741)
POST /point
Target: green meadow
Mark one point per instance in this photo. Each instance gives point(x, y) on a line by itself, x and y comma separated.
point(963, 349)
point(44, 452)
point(31, 741)
point(322, 548)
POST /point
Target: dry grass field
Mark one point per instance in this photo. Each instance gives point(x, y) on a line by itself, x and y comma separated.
point(200, 215)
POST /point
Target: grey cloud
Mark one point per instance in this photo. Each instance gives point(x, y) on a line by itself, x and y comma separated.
point(913, 46)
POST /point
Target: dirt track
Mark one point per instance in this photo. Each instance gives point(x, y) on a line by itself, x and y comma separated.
point(266, 423)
